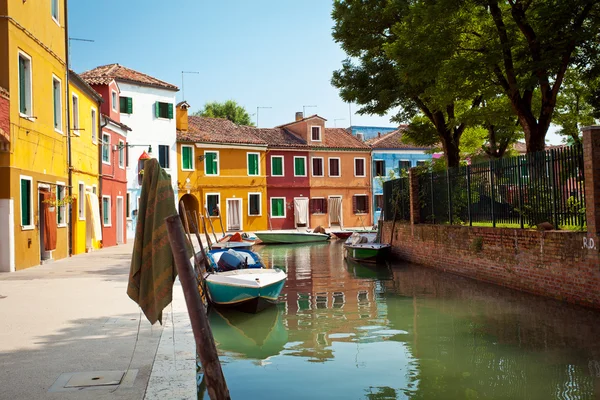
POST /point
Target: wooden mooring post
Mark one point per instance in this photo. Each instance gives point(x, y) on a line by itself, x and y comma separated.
point(205, 344)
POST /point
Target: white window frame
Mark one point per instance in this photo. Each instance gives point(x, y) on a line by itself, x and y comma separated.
point(115, 99)
point(102, 149)
point(339, 167)
point(366, 196)
point(75, 113)
point(312, 166)
point(58, 208)
point(320, 133)
point(168, 168)
point(364, 160)
point(305, 166)
point(248, 162)
point(121, 154)
point(218, 194)
point(81, 201)
point(193, 157)
point(94, 117)
point(282, 165)
point(271, 207)
point(375, 167)
point(31, 226)
point(58, 129)
point(218, 162)
point(420, 161)
point(259, 204)
point(109, 211)
point(319, 198)
point(57, 17)
point(128, 206)
point(28, 85)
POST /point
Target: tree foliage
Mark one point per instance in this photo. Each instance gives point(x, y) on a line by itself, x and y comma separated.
point(229, 110)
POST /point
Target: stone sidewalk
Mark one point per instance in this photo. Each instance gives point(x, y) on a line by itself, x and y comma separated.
point(73, 316)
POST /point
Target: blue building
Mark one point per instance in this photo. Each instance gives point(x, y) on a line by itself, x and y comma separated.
point(370, 132)
point(389, 153)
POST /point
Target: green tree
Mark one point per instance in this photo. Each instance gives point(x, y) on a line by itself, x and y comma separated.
point(229, 110)
point(573, 109)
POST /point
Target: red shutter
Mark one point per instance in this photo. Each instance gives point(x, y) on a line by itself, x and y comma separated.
point(311, 206)
point(324, 205)
point(354, 204)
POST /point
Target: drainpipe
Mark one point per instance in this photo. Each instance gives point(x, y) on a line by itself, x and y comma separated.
point(67, 102)
point(99, 140)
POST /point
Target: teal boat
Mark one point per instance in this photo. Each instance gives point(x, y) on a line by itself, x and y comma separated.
point(286, 237)
point(362, 248)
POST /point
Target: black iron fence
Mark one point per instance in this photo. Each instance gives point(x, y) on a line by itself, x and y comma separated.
point(396, 200)
point(516, 191)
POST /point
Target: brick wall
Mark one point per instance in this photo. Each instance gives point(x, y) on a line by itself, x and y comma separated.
point(4, 116)
point(553, 263)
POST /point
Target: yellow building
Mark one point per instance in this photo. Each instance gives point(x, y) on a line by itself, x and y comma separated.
point(33, 162)
point(86, 211)
point(222, 167)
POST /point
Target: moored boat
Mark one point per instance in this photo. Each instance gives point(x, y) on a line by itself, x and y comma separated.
point(361, 247)
point(343, 234)
point(281, 237)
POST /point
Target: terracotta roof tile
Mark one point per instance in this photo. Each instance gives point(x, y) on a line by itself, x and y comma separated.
point(4, 93)
point(218, 130)
point(300, 120)
point(104, 74)
point(279, 137)
point(393, 140)
point(340, 138)
point(520, 147)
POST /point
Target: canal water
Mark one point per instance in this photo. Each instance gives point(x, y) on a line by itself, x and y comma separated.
point(350, 331)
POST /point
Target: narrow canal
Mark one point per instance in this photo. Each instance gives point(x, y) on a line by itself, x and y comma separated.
point(349, 331)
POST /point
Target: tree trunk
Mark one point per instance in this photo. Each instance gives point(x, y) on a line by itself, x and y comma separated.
point(451, 150)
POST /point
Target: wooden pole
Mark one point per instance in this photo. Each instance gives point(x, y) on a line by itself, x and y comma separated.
point(189, 233)
point(199, 239)
point(221, 220)
point(205, 344)
point(208, 242)
point(211, 225)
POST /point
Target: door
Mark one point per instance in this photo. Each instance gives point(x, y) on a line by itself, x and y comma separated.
point(335, 211)
point(120, 230)
point(234, 214)
point(301, 212)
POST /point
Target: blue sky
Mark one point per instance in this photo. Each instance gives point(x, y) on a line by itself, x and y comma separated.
point(261, 53)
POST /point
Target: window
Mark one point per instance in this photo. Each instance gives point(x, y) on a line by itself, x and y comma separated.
point(276, 165)
point(94, 125)
point(25, 95)
point(128, 205)
point(61, 212)
point(81, 201)
point(163, 156)
point(212, 204)
point(26, 203)
point(379, 202)
point(57, 103)
point(163, 110)
point(211, 163)
point(334, 167)
point(360, 204)
point(315, 133)
point(299, 166)
point(278, 207)
point(187, 157)
point(126, 155)
point(75, 112)
point(379, 168)
point(318, 206)
point(421, 163)
point(114, 101)
point(106, 220)
point(54, 6)
point(121, 154)
point(106, 148)
point(253, 164)
point(254, 204)
point(317, 166)
point(359, 167)
point(404, 166)
point(126, 105)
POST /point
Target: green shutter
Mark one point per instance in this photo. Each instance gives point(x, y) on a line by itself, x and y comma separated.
point(157, 109)
point(170, 111)
point(252, 164)
point(105, 210)
point(22, 87)
point(277, 207)
point(186, 153)
point(123, 104)
point(56, 108)
point(25, 202)
point(277, 166)
point(129, 105)
point(211, 163)
point(299, 167)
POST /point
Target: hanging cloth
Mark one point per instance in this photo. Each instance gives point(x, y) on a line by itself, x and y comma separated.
point(301, 211)
point(49, 221)
point(335, 210)
point(94, 213)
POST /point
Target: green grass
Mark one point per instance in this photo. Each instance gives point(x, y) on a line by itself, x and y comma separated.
point(576, 228)
point(498, 225)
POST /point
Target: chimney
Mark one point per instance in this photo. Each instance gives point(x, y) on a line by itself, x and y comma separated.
point(299, 115)
point(360, 136)
point(182, 116)
point(378, 134)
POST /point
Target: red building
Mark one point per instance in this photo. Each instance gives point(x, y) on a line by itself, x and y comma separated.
point(285, 179)
point(113, 164)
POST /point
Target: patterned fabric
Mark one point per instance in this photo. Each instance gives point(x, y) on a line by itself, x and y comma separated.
point(152, 268)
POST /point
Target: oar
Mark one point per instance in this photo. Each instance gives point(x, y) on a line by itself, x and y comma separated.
point(211, 225)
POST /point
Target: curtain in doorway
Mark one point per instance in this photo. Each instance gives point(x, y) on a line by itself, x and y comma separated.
point(233, 215)
point(94, 212)
point(301, 211)
point(49, 216)
point(335, 210)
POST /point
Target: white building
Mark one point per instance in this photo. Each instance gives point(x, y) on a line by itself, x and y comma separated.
point(147, 106)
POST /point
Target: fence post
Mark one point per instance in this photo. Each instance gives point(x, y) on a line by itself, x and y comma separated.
point(413, 197)
point(492, 192)
point(520, 186)
point(468, 171)
point(432, 208)
point(449, 186)
point(552, 177)
point(591, 163)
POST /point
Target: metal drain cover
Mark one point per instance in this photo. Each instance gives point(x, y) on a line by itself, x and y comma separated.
point(95, 378)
